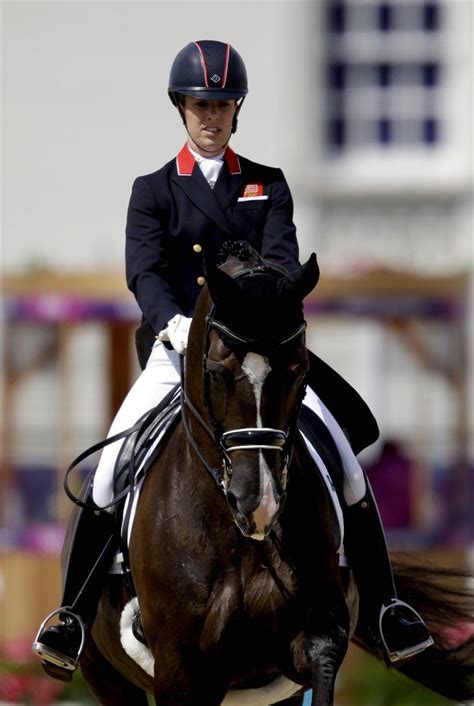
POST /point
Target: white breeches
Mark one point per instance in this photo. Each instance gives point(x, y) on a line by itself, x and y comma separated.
point(159, 376)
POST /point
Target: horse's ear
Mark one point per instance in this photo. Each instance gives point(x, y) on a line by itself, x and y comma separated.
point(306, 278)
point(222, 287)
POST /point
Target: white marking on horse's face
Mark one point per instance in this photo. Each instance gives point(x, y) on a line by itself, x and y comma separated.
point(257, 367)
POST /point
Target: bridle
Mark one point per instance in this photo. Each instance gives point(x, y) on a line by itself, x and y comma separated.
point(241, 439)
point(247, 438)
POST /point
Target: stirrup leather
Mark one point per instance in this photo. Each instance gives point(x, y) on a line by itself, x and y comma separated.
point(53, 656)
point(407, 652)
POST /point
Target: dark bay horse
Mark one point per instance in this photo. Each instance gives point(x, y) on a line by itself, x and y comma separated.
point(234, 546)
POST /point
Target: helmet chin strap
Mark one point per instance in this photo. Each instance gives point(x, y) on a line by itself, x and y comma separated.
point(236, 115)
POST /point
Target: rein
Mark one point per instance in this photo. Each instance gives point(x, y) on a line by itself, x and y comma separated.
point(187, 404)
point(134, 434)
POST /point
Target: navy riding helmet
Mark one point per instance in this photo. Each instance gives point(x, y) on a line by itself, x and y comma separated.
point(209, 70)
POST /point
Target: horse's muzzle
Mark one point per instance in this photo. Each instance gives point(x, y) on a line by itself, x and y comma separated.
point(254, 513)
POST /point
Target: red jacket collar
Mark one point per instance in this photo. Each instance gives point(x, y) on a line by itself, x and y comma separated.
point(185, 161)
point(232, 161)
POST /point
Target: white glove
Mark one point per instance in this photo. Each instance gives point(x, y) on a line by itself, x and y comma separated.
point(176, 332)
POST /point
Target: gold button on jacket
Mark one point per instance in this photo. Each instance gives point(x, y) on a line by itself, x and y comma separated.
point(201, 280)
point(197, 247)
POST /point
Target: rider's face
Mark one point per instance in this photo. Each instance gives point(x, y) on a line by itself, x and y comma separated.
point(209, 124)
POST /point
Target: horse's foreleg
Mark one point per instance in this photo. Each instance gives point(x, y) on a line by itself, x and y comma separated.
point(105, 683)
point(326, 641)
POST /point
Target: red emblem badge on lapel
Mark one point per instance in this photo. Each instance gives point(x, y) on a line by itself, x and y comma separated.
point(252, 190)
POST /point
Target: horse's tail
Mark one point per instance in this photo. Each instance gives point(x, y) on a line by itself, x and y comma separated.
point(444, 597)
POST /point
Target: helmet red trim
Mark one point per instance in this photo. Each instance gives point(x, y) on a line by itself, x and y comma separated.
point(203, 63)
point(226, 66)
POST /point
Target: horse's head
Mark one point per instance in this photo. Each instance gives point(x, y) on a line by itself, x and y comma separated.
point(255, 363)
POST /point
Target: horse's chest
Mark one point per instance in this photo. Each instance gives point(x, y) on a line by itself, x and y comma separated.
point(249, 608)
point(262, 600)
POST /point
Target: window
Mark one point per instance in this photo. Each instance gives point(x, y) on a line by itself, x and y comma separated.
point(384, 74)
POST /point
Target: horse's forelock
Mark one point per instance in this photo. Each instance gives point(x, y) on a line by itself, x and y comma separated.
point(236, 255)
point(233, 265)
point(253, 297)
point(262, 304)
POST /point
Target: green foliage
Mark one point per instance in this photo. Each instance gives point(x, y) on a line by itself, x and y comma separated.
point(367, 682)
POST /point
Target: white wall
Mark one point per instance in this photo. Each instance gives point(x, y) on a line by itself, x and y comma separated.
point(86, 110)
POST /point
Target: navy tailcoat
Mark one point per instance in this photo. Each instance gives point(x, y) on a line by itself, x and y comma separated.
point(176, 225)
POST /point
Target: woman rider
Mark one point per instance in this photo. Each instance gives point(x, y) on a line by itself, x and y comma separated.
point(178, 219)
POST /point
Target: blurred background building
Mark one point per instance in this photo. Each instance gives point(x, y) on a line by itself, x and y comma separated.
point(367, 107)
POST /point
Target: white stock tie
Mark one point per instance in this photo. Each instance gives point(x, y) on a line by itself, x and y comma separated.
point(209, 166)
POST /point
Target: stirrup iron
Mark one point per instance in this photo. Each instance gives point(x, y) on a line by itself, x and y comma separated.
point(53, 656)
point(403, 654)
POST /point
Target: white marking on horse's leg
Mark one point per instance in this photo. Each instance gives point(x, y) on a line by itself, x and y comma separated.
point(256, 367)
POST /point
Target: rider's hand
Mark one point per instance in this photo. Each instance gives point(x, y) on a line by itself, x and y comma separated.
point(176, 332)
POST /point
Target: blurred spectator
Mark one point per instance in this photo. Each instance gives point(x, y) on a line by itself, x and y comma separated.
point(391, 476)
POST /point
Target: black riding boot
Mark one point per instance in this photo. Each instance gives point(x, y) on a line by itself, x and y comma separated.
point(90, 552)
point(397, 629)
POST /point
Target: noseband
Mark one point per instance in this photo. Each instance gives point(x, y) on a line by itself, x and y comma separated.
point(268, 439)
